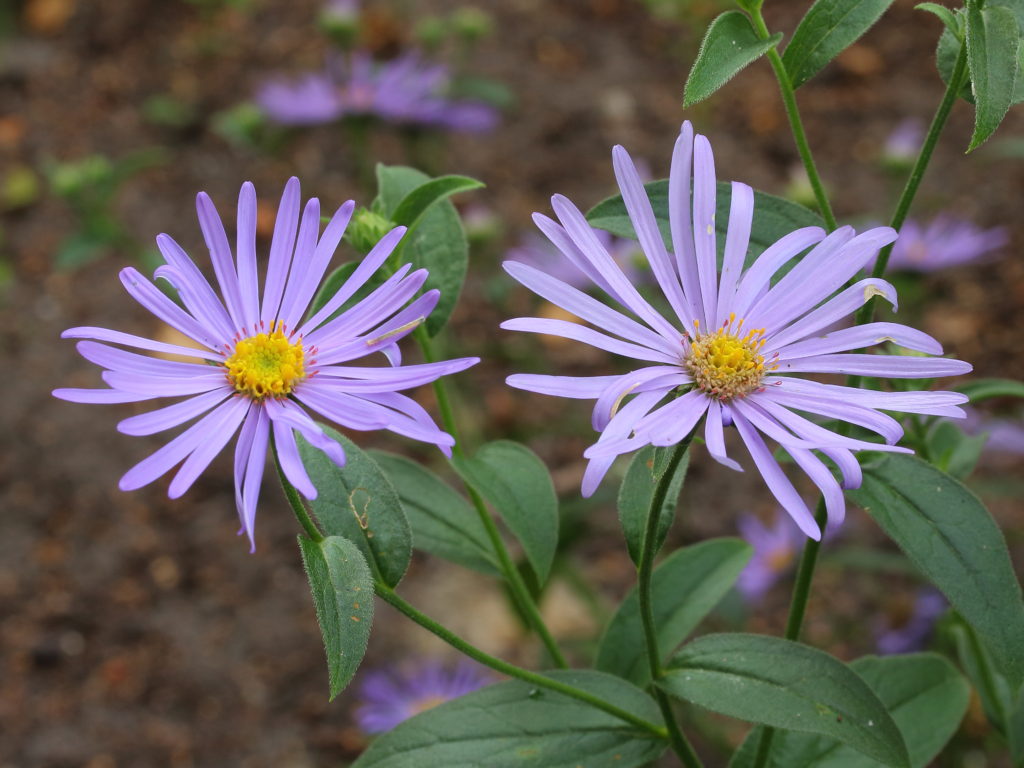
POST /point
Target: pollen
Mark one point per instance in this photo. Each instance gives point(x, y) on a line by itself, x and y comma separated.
point(266, 365)
point(728, 363)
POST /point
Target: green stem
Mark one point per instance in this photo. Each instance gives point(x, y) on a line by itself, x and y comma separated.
point(520, 594)
point(645, 568)
point(797, 609)
point(795, 123)
point(541, 681)
point(295, 501)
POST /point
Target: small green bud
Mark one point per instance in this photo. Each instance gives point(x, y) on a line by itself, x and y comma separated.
point(366, 229)
point(339, 20)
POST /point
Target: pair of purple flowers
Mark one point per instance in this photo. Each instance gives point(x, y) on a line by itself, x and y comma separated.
point(726, 353)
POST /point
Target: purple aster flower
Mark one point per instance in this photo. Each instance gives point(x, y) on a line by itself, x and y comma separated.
point(406, 90)
point(259, 361)
point(946, 241)
point(735, 339)
point(389, 697)
point(538, 252)
point(775, 551)
point(912, 632)
point(903, 144)
point(1004, 435)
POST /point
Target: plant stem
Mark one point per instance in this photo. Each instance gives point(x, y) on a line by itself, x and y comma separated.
point(645, 568)
point(520, 594)
point(795, 123)
point(295, 501)
point(797, 608)
point(390, 596)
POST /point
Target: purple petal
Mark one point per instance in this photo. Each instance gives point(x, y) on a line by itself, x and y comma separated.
point(352, 379)
point(129, 362)
point(157, 386)
point(254, 466)
point(305, 245)
point(679, 221)
point(834, 408)
point(714, 437)
point(577, 332)
point(859, 337)
point(892, 366)
point(172, 415)
point(349, 411)
point(282, 246)
point(117, 337)
point(149, 296)
point(287, 412)
point(100, 396)
point(556, 233)
point(704, 239)
point(931, 403)
point(577, 387)
point(291, 463)
point(672, 422)
point(656, 376)
point(248, 281)
point(218, 434)
point(813, 467)
point(737, 240)
point(220, 255)
point(758, 277)
point(198, 297)
point(618, 428)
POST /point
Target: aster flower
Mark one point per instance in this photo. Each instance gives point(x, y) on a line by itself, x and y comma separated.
point(909, 633)
point(259, 362)
point(406, 90)
point(734, 339)
point(389, 697)
point(538, 252)
point(945, 241)
point(775, 551)
point(902, 145)
point(1005, 436)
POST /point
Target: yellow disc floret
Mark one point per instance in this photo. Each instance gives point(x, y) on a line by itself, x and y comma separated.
point(266, 365)
point(727, 363)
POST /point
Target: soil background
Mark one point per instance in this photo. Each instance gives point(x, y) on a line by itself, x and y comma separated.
point(139, 631)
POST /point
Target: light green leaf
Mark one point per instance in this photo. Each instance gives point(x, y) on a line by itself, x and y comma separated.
point(923, 692)
point(684, 589)
point(645, 470)
point(945, 15)
point(357, 502)
point(993, 42)
point(513, 479)
point(729, 45)
point(787, 685)
point(952, 451)
point(417, 202)
point(443, 523)
point(951, 538)
point(342, 588)
point(985, 389)
point(949, 47)
point(825, 31)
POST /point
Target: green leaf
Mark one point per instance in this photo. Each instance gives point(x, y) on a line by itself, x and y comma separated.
point(515, 725)
point(443, 523)
point(342, 588)
point(949, 47)
point(993, 41)
point(512, 478)
point(952, 451)
point(774, 217)
point(331, 286)
point(923, 692)
point(357, 502)
point(645, 470)
point(985, 389)
point(729, 45)
point(945, 15)
point(949, 535)
point(825, 31)
point(438, 244)
point(784, 684)
point(417, 202)
point(684, 589)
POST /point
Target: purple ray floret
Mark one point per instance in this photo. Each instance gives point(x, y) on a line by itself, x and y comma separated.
point(727, 350)
point(945, 241)
point(260, 362)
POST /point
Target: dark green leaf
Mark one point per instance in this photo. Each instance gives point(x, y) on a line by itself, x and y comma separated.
point(952, 451)
point(729, 45)
point(357, 502)
point(825, 31)
point(512, 478)
point(950, 536)
point(684, 589)
point(996, 697)
point(945, 15)
point(645, 470)
point(787, 685)
point(949, 47)
point(993, 41)
point(443, 523)
point(331, 286)
point(925, 695)
point(515, 725)
point(774, 217)
point(438, 244)
point(419, 200)
point(985, 389)
point(342, 588)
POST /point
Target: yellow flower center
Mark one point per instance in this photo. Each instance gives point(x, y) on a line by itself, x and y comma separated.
point(727, 363)
point(266, 365)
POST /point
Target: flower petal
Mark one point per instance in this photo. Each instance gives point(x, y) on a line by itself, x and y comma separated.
point(577, 387)
point(737, 240)
point(679, 222)
point(714, 437)
point(172, 415)
point(581, 333)
point(220, 255)
point(149, 296)
point(859, 337)
point(282, 245)
point(218, 435)
point(755, 281)
point(291, 463)
point(128, 339)
point(892, 366)
point(248, 281)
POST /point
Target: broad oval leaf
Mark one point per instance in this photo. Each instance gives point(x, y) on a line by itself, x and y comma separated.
point(993, 43)
point(985, 389)
point(342, 588)
point(827, 28)
point(515, 724)
point(442, 521)
point(357, 502)
point(438, 244)
point(949, 535)
point(788, 685)
point(512, 478)
point(923, 692)
point(774, 217)
point(419, 200)
point(645, 470)
point(684, 589)
point(729, 45)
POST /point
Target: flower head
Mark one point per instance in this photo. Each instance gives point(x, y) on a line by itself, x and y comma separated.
point(734, 339)
point(406, 90)
point(945, 241)
point(389, 697)
point(775, 551)
point(259, 360)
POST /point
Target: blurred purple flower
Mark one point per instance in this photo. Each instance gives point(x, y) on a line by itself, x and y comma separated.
point(1004, 435)
point(391, 696)
point(903, 144)
point(775, 551)
point(540, 253)
point(912, 633)
point(406, 91)
point(946, 241)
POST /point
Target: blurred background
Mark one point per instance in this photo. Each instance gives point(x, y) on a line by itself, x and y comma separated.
point(137, 631)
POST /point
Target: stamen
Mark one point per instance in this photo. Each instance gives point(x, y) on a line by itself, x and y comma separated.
point(266, 365)
point(725, 364)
